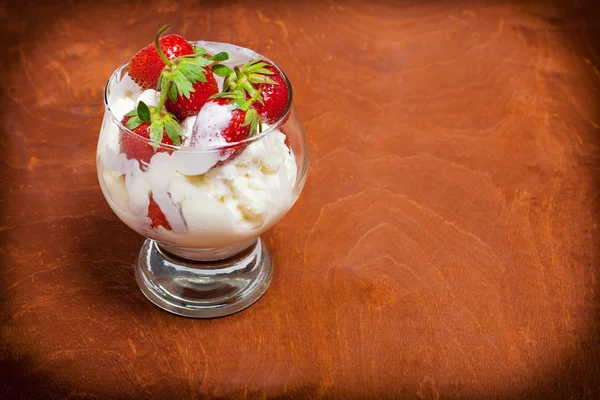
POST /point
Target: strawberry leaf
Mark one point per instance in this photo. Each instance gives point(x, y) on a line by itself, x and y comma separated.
point(133, 123)
point(263, 71)
point(199, 51)
point(183, 85)
point(192, 72)
point(200, 61)
point(257, 66)
point(249, 88)
point(156, 131)
point(260, 99)
point(132, 113)
point(163, 84)
point(247, 119)
point(221, 70)
point(246, 105)
point(225, 95)
point(252, 118)
point(143, 112)
point(173, 131)
point(183, 74)
point(237, 98)
point(220, 57)
point(252, 63)
point(259, 78)
point(172, 93)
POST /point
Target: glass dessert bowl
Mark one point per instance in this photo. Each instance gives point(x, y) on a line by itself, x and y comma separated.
point(201, 204)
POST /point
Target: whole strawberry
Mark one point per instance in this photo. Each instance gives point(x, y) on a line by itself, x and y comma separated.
point(187, 80)
point(259, 75)
point(145, 67)
point(174, 66)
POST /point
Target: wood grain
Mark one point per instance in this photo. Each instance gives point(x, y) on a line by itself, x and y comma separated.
point(446, 244)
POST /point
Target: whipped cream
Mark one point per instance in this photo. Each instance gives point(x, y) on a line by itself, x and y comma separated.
point(206, 203)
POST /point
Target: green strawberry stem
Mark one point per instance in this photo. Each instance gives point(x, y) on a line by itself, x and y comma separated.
point(163, 98)
point(161, 54)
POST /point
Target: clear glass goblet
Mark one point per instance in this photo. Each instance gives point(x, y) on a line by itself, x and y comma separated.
point(203, 256)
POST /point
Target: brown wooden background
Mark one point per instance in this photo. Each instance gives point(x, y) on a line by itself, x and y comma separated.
point(446, 245)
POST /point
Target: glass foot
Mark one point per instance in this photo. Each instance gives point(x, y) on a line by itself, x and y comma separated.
point(203, 289)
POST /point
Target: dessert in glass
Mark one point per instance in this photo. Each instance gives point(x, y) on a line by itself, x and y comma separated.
point(201, 151)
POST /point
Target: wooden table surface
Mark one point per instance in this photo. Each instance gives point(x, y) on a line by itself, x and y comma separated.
point(446, 245)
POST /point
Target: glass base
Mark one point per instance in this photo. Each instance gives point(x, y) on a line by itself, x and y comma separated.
point(203, 289)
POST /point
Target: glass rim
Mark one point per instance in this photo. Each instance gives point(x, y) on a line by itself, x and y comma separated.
point(122, 69)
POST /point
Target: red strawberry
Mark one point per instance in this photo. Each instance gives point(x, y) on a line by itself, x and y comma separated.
point(149, 127)
point(156, 215)
point(264, 76)
point(145, 67)
point(236, 130)
point(187, 80)
point(244, 122)
point(184, 107)
point(137, 146)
